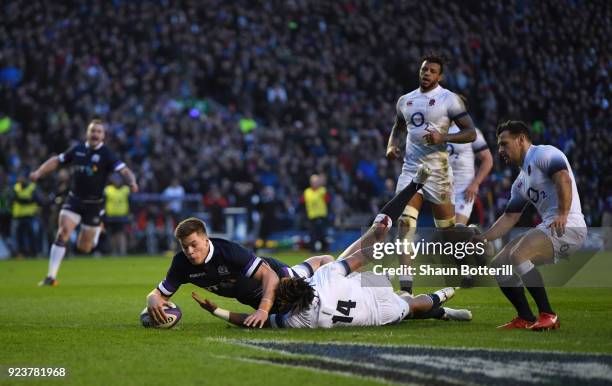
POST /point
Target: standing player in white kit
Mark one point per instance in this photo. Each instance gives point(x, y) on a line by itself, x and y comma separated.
point(462, 157)
point(423, 118)
point(547, 182)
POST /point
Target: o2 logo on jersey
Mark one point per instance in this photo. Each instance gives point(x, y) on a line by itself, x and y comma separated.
point(417, 119)
point(535, 195)
point(450, 149)
point(564, 251)
point(95, 158)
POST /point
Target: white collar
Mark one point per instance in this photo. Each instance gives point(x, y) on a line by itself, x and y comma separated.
point(526, 160)
point(432, 91)
point(211, 250)
point(87, 145)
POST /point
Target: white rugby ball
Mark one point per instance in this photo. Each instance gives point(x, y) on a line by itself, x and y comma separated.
point(173, 313)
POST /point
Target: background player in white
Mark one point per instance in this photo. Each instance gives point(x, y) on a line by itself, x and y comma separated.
point(334, 296)
point(546, 181)
point(466, 180)
point(423, 118)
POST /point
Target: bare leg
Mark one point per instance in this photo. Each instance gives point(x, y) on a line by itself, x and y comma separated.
point(461, 219)
point(87, 239)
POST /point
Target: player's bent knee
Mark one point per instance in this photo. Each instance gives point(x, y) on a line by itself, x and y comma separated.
point(85, 247)
point(408, 220)
point(326, 259)
point(499, 260)
point(516, 259)
point(63, 235)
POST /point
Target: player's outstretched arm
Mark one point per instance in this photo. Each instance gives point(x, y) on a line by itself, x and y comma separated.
point(129, 176)
point(234, 318)
point(502, 226)
point(47, 167)
point(155, 303)
point(269, 281)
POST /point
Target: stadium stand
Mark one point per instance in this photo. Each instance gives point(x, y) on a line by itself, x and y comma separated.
point(242, 95)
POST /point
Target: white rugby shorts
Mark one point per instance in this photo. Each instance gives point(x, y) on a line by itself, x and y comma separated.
point(438, 188)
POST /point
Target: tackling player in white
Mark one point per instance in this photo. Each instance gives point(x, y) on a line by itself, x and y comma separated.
point(338, 295)
point(545, 180)
point(423, 119)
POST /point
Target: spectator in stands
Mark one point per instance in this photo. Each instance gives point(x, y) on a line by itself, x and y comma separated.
point(215, 204)
point(25, 209)
point(5, 207)
point(174, 193)
point(317, 78)
point(268, 208)
point(315, 199)
point(117, 215)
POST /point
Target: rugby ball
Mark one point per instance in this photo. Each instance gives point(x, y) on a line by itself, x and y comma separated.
point(172, 311)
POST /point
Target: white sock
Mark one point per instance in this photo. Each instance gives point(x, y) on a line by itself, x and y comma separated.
point(96, 237)
point(55, 259)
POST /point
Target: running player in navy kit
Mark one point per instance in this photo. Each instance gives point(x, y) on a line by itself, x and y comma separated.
point(224, 268)
point(91, 164)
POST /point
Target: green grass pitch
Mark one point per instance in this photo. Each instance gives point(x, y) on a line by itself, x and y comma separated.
point(89, 325)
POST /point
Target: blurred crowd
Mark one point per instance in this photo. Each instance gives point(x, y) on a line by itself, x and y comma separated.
point(237, 98)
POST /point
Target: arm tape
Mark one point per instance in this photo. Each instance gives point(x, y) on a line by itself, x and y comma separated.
point(221, 313)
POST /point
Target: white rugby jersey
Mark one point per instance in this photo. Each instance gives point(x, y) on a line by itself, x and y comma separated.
point(461, 156)
point(534, 184)
point(340, 301)
point(435, 109)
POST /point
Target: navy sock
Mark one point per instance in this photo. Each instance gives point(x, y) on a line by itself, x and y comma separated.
point(517, 297)
point(435, 299)
point(535, 285)
point(434, 313)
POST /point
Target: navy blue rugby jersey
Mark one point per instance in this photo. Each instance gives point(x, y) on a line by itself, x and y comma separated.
point(227, 271)
point(90, 168)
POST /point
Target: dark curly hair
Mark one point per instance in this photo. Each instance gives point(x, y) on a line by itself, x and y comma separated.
point(294, 294)
point(434, 57)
